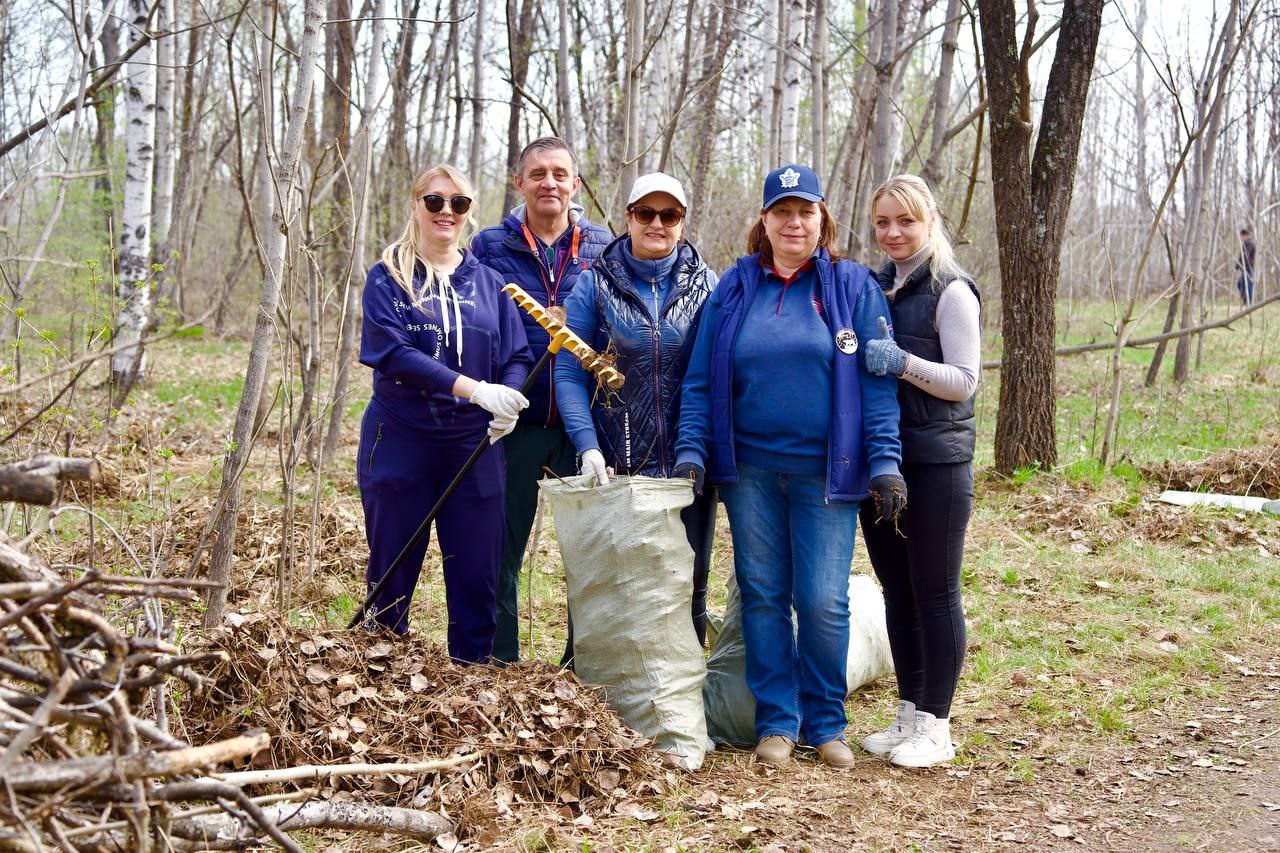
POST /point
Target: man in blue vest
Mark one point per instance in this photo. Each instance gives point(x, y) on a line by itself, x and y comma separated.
point(542, 246)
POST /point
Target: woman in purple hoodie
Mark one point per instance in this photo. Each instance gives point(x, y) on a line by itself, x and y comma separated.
point(448, 352)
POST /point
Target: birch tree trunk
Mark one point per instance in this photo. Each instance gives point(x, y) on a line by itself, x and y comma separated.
point(1032, 196)
point(133, 288)
point(264, 330)
point(790, 113)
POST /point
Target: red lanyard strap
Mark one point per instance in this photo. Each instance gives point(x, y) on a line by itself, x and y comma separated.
point(552, 286)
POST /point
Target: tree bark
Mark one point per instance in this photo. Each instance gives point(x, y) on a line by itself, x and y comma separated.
point(1032, 197)
point(105, 130)
point(1197, 259)
point(564, 103)
point(519, 25)
point(932, 171)
point(354, 272)
point(818, 90)
point(276, 240)
point(162, 202)
point(134, 288)
point(477, 91)
point(634, 59)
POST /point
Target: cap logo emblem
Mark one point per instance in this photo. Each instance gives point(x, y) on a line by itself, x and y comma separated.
point(789, 179)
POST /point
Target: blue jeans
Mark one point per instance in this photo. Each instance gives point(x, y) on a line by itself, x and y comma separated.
point(793, 549)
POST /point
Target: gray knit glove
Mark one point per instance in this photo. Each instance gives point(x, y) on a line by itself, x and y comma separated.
point(883, 355)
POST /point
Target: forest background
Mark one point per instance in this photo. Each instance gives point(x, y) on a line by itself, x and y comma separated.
point(192, 191)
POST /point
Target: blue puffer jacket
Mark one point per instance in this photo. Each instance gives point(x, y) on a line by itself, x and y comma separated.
point(616, 309)
point(863, 440)
point(505, 249)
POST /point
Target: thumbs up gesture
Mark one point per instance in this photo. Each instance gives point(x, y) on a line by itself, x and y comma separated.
point(883, 355)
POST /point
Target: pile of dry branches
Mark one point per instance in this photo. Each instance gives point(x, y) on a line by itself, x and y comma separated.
point(88, 675)
point(538, 737)
point(86, 759)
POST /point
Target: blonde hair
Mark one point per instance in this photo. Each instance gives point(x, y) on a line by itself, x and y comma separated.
point(401, 257)
point(913, 194)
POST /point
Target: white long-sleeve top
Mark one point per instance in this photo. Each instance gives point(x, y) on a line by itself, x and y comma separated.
point(955, 378)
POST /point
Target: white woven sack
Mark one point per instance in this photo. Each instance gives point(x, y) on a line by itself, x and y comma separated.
point(629, 571)
point(731, 709)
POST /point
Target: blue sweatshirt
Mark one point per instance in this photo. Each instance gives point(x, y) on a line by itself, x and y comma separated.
point(862, 439)
point(782, 365)
point(573, 384)
point(415, 365)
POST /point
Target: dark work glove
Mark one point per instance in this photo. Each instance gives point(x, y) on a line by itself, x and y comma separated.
point(889, 491)
point(690, 471)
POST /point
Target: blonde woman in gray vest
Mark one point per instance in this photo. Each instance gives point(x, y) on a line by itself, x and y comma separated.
point(931, 342)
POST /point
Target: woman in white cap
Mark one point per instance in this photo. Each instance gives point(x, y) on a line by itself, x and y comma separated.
point(641, 301)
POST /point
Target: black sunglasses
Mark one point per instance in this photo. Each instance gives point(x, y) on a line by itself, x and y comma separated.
point(459, 204)
point(644, 214)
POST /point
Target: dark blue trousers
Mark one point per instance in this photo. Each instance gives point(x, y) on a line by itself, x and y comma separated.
point(403, 470)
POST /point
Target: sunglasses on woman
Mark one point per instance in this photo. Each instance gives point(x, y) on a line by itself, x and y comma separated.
point(459, 204)
point(644, 214)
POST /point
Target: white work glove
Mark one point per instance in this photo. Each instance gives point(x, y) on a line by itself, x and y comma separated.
point(592, 464)
point(499, 400)
point(500, 426)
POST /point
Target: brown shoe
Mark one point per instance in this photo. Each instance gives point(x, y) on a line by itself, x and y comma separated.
point(775, 749)
point(836, 753)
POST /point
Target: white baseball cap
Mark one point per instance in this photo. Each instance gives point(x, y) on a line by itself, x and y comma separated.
point(657, 182)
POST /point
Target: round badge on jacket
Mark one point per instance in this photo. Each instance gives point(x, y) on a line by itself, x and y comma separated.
point(846, 341)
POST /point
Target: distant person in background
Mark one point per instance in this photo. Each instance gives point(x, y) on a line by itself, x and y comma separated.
point(935, 312)
point(543, 245)
point(641, 301)
point(448, 352)
point(1244, 263)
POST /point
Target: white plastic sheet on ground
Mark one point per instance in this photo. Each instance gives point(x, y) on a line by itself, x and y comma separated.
point(730, 707)
point(629, 571)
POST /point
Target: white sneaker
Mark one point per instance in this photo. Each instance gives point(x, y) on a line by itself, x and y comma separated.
point(882, 743)
point(928, 745)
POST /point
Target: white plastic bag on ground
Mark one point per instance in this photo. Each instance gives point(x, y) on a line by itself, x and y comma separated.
point(629, 571)
point(731, 709)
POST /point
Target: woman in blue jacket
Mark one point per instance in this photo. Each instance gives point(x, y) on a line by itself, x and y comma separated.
point(779, 410)
point(641, 301)
point(448, 352)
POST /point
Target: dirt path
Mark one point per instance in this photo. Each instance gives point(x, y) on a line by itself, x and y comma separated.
point(1208, 782)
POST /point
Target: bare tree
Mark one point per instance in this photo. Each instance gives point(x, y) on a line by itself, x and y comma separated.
point(275, 243)
point(1031, 192)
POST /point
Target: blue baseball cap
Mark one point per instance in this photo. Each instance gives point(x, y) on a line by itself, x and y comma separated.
point(792, 181)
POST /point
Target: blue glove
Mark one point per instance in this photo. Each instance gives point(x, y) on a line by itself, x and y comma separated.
point(883, 355)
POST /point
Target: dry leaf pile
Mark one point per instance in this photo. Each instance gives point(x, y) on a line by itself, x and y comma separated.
point(1090, 520)
point(328, 697)
point(1248, 471)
